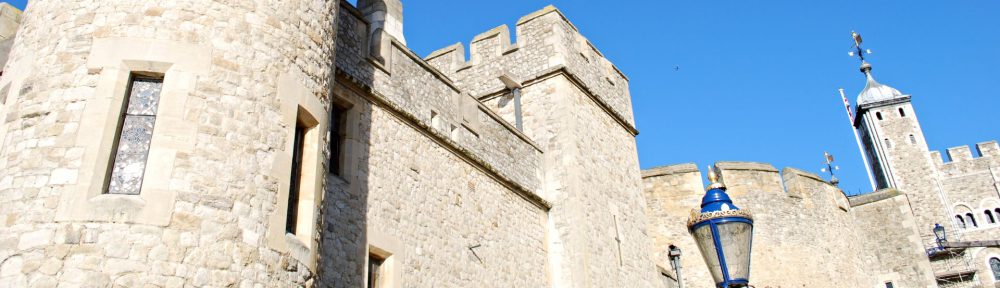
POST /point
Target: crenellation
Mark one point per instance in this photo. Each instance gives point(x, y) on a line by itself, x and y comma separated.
point(988, 149)
point(448, 59)
point(546, 43)
point(490, 45)
point(959, 154)
point(936, 158)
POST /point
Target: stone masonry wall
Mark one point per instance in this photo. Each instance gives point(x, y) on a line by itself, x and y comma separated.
point(885, 219)
point(805, 233)
point(433, 208)
point(595, 234)
point(214, 233)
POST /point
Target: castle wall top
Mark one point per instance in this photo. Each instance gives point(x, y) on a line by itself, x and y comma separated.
point(546, 43)
point(988, 152)
point(397, 79)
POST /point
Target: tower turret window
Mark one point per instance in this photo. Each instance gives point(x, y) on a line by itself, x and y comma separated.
point(901, 113)
point(135, 132)
point(989, 217)
point(913, 139)
point(878, 115)
point(960, 221)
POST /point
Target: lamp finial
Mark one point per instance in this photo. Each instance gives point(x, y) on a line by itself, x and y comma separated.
point(713, 178)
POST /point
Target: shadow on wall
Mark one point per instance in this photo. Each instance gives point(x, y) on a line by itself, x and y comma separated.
point(343, 249)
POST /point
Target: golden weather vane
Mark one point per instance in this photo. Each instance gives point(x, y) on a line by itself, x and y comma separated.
point(857, 47)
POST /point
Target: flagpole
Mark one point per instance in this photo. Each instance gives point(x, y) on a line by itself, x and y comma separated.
point(850, 117)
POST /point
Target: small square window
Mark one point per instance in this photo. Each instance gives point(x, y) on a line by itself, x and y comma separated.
point(888, 284)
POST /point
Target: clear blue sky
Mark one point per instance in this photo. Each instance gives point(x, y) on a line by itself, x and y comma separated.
point(758, 80)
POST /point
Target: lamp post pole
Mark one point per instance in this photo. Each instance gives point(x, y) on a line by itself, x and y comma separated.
point(675, 260)
point(724, 235)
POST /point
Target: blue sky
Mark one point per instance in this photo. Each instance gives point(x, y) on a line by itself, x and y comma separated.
point(758, 80)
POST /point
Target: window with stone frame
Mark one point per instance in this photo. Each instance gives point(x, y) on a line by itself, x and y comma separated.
point(303, 152)
point(134, 135)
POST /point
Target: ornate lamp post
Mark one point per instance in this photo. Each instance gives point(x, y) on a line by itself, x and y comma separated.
point(724, 235)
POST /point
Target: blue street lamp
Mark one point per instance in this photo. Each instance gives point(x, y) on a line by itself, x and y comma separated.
point(724, 235)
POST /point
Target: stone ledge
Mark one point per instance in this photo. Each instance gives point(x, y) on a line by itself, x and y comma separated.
point(670, 169)
point(752, 166)
point(873, 197)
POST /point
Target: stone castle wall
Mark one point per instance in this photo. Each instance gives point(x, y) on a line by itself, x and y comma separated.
point(805, 231)
point(201, 219)
point(591, 232)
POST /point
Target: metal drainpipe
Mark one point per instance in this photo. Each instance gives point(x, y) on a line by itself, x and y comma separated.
point(517, 108)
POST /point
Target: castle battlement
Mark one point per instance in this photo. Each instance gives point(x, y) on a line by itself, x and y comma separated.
point(960, 154)
point(547, 43)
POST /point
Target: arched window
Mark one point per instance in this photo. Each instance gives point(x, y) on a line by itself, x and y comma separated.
point(971, 220)
point(995, 266)
point(960, 221)
point(989, 217)
point(901, 113)
point(996, 212)
point(878, 115)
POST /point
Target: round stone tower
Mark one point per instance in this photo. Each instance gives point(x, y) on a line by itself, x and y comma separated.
point(165, 144)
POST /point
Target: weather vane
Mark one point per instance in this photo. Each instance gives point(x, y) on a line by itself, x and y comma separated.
point(858, 51)
point(830, 168)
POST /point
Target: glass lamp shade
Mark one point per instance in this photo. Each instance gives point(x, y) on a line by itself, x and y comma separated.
point(724, 236)
point(939, 233)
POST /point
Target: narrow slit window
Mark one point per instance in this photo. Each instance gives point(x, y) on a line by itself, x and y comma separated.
point(338, 135)
point(295, 185)
point(901, 113)
point(878, 115)
point(913, 139)
point(995, 267)
point(135, 132)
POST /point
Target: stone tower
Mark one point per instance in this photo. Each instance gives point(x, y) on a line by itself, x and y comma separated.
point(896, 149)
point(148, 143)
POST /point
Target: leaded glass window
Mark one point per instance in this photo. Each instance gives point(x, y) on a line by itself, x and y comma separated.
point(136, 131)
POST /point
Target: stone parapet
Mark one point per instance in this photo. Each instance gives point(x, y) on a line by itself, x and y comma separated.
point(546, 40)
point(403, 82)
